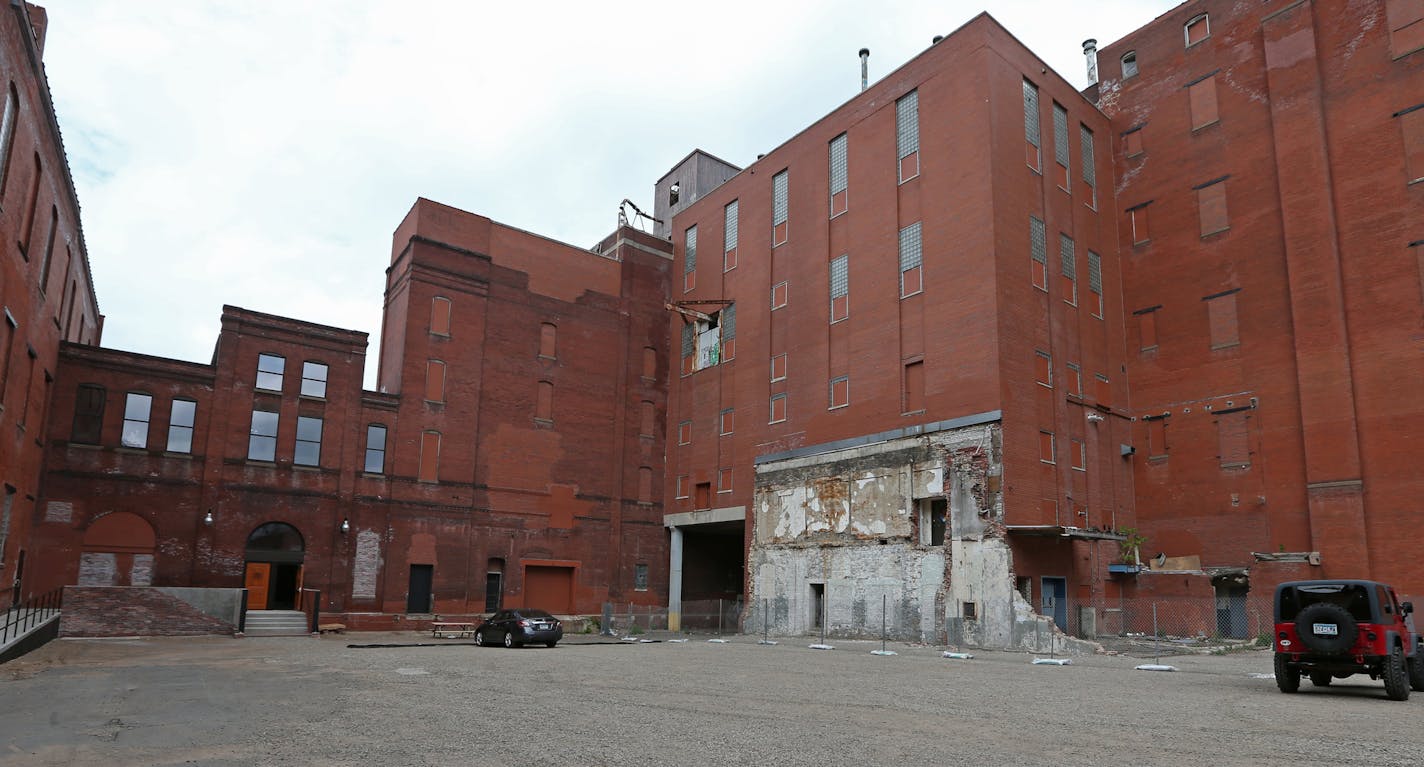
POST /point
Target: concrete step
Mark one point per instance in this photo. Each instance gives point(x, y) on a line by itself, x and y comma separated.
point(276, 623)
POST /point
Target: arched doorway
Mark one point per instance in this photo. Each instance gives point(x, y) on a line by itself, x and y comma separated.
point(118, 550)
point(274, 567)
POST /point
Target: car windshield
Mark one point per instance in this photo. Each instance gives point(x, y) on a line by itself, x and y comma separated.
point(534, 614)
point(1352, 597)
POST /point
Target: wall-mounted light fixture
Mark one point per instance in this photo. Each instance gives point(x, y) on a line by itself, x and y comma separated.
point(208, 518)
point(1095, 417)
point(345, 526)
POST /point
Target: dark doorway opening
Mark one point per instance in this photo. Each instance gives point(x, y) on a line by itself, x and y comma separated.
point(274, 554)
point(818, 604)
point(420, 597)
point(494, 585)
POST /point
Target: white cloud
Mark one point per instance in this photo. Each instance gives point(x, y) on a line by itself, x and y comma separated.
point(260, 154)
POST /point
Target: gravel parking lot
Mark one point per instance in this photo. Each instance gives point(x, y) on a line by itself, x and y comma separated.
point(305, 701)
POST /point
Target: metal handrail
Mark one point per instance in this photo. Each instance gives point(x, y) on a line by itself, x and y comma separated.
point(23, 616)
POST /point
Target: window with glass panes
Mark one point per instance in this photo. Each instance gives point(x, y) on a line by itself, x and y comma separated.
point(375, 449)
point(137, 409)
point(180, 426)
point(1031, 125)
point(729, 236)
point(262, 437)
point(313, 379)
point(308, 451)
point(269, 371)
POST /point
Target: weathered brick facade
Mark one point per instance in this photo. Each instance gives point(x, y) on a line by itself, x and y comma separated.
point(45, 284)
point(504, 448)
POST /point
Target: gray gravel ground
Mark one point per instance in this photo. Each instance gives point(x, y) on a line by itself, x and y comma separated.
point(305, 701)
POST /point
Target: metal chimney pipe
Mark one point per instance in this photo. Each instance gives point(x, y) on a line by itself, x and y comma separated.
point(864, 68)
point(936, 39)
point(1090, 51)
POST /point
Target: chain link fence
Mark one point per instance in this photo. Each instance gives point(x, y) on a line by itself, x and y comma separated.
point(705, 616)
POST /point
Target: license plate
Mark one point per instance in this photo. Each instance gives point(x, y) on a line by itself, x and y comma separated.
point(1327, 629)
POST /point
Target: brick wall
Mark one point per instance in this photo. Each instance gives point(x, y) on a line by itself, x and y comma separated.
point(92, 611)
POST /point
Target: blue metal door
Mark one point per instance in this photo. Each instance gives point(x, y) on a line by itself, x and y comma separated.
point(1054, 596)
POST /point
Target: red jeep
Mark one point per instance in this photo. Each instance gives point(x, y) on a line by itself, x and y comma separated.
point(1333, 629)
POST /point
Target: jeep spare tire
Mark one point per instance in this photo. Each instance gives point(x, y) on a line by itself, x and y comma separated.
point(1326, 629)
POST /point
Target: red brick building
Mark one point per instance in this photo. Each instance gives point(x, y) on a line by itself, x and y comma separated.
point(1270, 214)
point(934, 256)
point(45, 284)
point(508, 456)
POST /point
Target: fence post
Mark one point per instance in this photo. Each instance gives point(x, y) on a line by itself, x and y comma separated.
point(884, 600)
point(720, 610)
point(1156, 638)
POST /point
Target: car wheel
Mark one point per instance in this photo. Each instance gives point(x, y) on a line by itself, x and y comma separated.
point(480, 637)
point(1326, 614)
point(1416, 671)
point(1396, 676)
point(1287, 678)
point(1321, 678)
point(552, 644)
point(509, 639)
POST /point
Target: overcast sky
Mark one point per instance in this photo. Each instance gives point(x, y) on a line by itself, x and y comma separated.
point(261, 154)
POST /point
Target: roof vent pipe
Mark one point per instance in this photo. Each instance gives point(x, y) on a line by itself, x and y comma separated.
point(864, 68)
point(936, 39)
point(1090, 51)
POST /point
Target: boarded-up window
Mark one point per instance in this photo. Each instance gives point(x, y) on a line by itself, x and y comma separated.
point(650, 362)
point(1129, 65)
point(645, 484)
point(1221, 317)
point(1411, 126)
point(840, 392)
point(1043, 369)
point(1211, 207)
point(434, 381)
point(1406, 26)
point(1045, 446)
point(1103, 389)
point(1132, 142)
point(1146, 329)
point(1156, 437)
point(914, 387)
point(778, 295)
point(684, 433)
point(548, 335)
point(778, 408)
point(778, 367)
point(689, 348)
point(88, 415)
point(1078, 454)
point(724, 481)
point(728, 421)
point(1197, 30)
point(440, 316)
point(544, 403)
point(1038, 252)
point(1233, 439)
point(1032, 134)
point(682, 487)
point(1137, 218)
point(1074, 379)
point(729, 236)
point(1202, 95)
point(647, 419)
point(430, 456)
point(837, 150)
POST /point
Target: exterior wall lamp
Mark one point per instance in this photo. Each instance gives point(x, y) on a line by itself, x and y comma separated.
point(345, 526)
point(208, 518)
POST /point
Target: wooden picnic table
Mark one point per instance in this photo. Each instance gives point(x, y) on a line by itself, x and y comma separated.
point(452, 629)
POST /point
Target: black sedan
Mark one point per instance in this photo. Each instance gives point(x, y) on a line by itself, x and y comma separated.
point(520, 625)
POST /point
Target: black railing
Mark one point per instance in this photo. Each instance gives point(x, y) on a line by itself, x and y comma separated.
point(25, 615)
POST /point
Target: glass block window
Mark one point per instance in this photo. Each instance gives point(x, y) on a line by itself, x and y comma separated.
point(690, 263)
point(269, 371)
point(1065, 252)
point(1031, 128)
point(911, 251)
point(689, 340)
point(729, 225)
point(1090, 171)
point(1038, 240)
point(1095, 272)
point(729, 322)
point(180, 426)
point(907, 124)
point(840, 276)
point(1060, 134)
point(308, 451)
point(778, 198)
point(838, 164)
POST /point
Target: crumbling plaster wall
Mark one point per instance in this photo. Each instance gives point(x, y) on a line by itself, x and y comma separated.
point(844, 534)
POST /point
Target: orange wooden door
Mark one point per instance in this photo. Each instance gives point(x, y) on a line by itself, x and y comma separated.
point(258, 575)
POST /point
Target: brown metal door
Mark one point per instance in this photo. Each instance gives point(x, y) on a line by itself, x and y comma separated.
point(549, 588)
point(258, 575)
